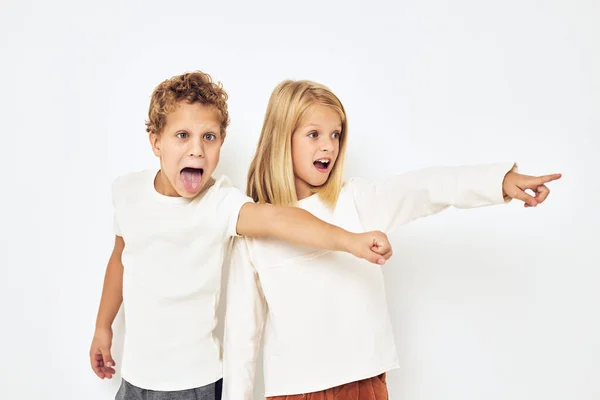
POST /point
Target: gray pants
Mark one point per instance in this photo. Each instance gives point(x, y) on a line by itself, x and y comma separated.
point(209, 392)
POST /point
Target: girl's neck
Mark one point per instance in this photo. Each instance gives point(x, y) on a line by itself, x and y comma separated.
point(302, 189)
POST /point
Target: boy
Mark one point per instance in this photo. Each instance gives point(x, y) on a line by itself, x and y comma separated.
point(172, 228)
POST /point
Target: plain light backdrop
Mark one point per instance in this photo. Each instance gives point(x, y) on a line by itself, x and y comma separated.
point(494, 303)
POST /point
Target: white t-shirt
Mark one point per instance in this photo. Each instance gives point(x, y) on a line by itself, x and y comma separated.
point(173, 257)
point(327, 321)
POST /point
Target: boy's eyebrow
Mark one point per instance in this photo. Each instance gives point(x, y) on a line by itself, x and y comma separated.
point(205, 129)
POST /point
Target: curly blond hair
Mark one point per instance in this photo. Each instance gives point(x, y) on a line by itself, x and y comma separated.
point(193, 87)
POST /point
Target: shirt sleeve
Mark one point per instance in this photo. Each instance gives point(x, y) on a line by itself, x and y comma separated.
point(231, 206)
point(388, 203)
point(244, 321)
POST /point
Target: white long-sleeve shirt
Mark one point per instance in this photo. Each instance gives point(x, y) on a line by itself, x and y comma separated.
point(326, 316)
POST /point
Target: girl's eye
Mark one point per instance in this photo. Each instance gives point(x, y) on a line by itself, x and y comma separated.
point(313, 134)
point(210, 136)
point(336, 135)
point(182, 135)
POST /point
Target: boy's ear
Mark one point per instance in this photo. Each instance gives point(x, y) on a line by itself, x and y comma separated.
point(155, 143)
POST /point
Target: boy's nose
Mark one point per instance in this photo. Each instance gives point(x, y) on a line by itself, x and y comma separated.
point(196, 149)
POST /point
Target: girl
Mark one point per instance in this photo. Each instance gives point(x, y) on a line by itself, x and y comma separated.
point(328, 333)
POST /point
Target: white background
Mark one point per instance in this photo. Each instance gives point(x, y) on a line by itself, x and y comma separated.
point(494, 303)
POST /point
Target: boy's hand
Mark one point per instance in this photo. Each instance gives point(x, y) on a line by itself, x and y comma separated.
point(515, 185)
point(100, 357)
point(372, 246)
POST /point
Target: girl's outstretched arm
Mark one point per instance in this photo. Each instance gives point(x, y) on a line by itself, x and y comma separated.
point(390, 202)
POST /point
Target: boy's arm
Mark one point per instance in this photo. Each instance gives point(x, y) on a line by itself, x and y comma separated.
point(300, 227)
point(112, 297)
point(244, 323)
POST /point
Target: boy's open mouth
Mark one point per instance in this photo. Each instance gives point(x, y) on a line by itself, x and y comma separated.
point(191, 178)
point(322, 165)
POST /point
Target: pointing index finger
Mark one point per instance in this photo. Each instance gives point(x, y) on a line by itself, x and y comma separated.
point(548, 178)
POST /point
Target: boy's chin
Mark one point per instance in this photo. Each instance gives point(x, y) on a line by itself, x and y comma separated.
point(190, 195)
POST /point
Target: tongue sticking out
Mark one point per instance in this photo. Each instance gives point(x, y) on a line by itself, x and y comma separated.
point(191, 178)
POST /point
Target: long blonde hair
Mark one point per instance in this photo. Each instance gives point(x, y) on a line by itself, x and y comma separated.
point(271, 174)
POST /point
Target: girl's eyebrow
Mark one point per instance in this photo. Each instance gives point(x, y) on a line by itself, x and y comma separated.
point(339, 127)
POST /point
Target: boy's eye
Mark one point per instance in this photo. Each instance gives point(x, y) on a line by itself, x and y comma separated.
point(182, 135)
point(313, 134)
point(210, 136)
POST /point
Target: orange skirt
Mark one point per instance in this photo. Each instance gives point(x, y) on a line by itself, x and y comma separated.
point(373, 388)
